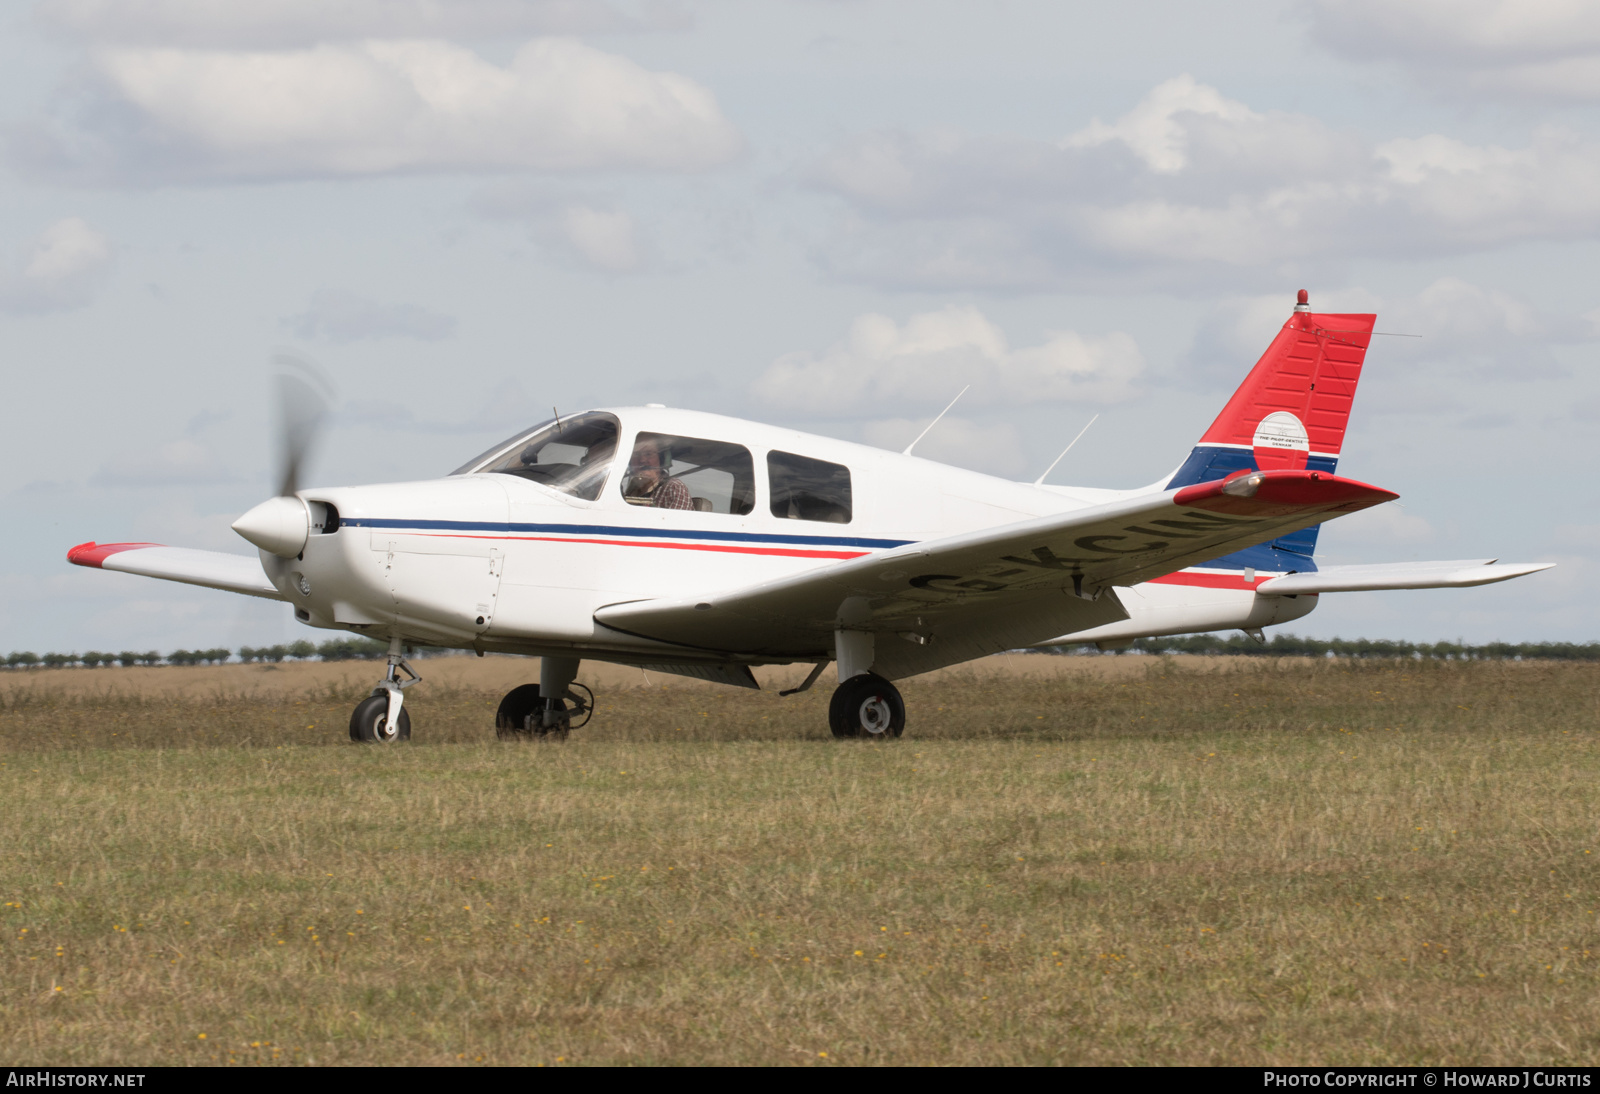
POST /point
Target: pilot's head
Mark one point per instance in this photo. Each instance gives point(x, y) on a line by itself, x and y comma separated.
point(649, 466)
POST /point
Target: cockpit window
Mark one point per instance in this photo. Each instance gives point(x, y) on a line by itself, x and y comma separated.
point(568, 454)
point(480, 462)
point(807, 489)
point(690, 473)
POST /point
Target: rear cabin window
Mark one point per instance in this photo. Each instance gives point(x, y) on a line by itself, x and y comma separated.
point(808, 489)
point(669, 472)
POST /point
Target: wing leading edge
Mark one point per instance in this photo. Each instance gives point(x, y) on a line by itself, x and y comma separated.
point(211, 569)
point(965, 596)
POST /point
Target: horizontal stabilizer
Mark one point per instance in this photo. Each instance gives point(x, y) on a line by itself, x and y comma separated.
point(1400, 575)
point(211, 569)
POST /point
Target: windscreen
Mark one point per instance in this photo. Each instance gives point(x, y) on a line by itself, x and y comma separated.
point(569, 454)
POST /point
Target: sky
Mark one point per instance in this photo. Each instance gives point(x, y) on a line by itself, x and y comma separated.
point(825, 214)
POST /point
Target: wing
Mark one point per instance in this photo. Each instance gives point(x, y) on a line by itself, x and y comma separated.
point(966, 596)
point(1400, 575)
point(212, 569)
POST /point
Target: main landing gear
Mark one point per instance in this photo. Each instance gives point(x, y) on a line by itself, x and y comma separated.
point(864, 704)
point(867, 706)
point(541, 711)
point(382, 718)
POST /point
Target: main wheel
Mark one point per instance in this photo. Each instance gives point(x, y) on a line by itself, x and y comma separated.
point(370, 722)
point(867, 706)
point(511, 720)
point(521, 715)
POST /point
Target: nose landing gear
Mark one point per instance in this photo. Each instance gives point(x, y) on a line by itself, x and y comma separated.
point(381, 718)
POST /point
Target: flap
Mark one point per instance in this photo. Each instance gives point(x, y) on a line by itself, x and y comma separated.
point(725, 672)
point(1400, 575)
point(1016, 585)
point(211, 569)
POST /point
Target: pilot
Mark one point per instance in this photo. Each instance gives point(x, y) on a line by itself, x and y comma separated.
point(648, 478)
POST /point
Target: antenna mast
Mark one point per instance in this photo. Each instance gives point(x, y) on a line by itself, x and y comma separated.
point(935, 422)
point(1040, 480)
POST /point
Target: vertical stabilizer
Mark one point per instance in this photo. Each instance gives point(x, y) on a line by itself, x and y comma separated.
point(1290, 412)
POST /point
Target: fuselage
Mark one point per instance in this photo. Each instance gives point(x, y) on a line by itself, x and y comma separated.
point(496, 561)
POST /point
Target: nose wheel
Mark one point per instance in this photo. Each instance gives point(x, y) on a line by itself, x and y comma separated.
point(370, 723)
point(381, 718)
point(867, 706)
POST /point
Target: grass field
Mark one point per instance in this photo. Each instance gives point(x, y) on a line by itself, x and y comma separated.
point(1066, 860)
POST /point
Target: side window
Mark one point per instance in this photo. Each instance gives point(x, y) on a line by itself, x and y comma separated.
point(670, 472)
point(807, 489)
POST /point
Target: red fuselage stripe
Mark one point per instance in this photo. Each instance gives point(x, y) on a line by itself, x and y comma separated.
point(1208, 581)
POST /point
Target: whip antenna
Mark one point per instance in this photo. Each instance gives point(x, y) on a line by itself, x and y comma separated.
point(1040, 480)
point(935, 422)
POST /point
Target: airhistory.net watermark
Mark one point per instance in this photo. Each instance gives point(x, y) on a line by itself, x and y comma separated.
point(37, 1077)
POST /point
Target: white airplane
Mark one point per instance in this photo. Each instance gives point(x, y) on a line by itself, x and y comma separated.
point(702, 545)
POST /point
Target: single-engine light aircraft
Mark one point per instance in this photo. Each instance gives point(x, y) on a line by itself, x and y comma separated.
point(703, 545)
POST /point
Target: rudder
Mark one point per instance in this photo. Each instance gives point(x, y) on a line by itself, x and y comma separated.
point(1290, 412)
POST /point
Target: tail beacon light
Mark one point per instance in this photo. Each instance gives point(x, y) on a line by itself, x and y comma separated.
point(279, 526)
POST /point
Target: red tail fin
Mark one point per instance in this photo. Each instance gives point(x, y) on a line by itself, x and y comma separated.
point(1290, 412)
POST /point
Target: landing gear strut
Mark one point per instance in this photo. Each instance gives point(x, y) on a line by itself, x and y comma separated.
point(864, 704)
point(541, 710)
point(382, 718)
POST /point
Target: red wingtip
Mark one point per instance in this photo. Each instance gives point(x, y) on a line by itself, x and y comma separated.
point(94, 554)
point(1279, 493)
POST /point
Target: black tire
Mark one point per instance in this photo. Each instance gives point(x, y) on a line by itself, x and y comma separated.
point(867, 706)
point(370, 722)
point(511, 720)
point(521, 703)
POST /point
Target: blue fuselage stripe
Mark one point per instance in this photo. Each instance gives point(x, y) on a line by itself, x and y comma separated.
point(507, 528)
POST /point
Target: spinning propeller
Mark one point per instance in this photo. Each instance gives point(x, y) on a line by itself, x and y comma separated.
point(281, 525)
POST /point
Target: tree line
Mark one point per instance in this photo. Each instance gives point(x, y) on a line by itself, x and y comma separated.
point(1289, 645)
point(336, 649)
point(1280, 645)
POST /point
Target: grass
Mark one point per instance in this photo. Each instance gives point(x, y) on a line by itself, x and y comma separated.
point(1118, 860)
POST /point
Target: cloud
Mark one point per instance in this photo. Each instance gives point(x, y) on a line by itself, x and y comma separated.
point(994, 448)
point(1188, 187)
point(340, 316)
point(181, 462)
point(1383, 526)
point(290, 23)
point(381, 107)
point(933, 355)
point(1547, 50)
point(506, 406)
point(588, 228)
point(605, 239)
point(1463, 329)
point(58, 270)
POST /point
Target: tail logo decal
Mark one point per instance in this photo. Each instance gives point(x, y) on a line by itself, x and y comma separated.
point(1281, 443)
